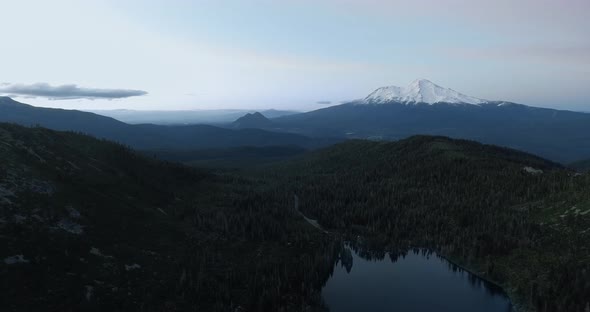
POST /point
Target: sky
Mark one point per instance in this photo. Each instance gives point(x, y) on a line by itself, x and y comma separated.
point(290, 54)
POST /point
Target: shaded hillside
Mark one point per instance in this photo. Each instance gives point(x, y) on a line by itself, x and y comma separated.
point(562, 136)
point(60, 119)
point(510, 216)
point(236, 157)
point(148, 136)
point(208, 137)
point(91, 225)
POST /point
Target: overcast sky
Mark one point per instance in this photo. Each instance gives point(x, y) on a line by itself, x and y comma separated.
point(295, 54)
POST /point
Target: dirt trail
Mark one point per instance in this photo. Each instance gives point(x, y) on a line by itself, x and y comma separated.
point(310, 221)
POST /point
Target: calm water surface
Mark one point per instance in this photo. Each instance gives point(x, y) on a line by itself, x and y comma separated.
point(417, 282)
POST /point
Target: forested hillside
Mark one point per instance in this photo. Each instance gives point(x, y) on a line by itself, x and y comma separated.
point(514, 218)
point(91, 225)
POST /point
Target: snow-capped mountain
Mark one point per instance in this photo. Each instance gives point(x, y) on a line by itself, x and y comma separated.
point(392, 113)
point(419, 91)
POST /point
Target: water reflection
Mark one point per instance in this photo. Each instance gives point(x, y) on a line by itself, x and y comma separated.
point(414, 280)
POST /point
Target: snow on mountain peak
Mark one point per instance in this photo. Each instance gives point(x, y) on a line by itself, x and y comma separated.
point(419, 91)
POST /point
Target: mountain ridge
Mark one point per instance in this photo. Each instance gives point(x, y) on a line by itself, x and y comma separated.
point(147, 136)
point(185, 117)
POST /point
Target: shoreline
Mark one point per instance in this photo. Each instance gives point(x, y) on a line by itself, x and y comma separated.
point(516, 305)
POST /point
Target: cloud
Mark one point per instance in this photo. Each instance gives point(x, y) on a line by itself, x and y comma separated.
point(324, 102)
point(66, 92)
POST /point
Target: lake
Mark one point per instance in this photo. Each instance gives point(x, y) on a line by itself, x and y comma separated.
point(420, 281)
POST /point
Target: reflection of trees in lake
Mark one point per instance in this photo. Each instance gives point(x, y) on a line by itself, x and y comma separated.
point(366, 252)
point(346, 259)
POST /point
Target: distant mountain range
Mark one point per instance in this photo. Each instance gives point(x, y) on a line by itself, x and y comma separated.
point(149, 136)
point(388, 113)
point(185, 117)
point(392, 113)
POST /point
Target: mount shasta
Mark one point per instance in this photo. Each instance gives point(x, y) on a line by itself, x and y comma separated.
point(393, 113)
point(419, 91)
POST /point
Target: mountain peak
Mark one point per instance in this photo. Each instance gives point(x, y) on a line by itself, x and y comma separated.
point(252, 120)
point(257, 115)
point(419, 91)
point(421, 82)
